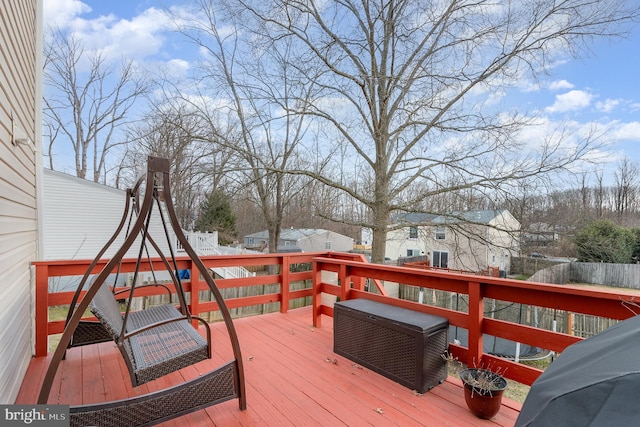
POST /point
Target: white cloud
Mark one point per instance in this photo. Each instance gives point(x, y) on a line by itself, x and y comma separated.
point(570, 101)
point(177, 67)
point(608, 105)
point(175, 70)
point(59, 13)
point(527, 85)
point(135, 38)
point(560, 85)
point(625, 131)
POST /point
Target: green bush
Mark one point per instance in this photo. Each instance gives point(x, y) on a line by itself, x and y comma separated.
point(605, 241)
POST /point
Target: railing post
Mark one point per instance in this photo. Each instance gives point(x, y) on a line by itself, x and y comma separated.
point(358, 283)
point(42, 310)
point(344, 281)
point(316, 296)
point(285, 269)
point(194, 277)
point(476, 316)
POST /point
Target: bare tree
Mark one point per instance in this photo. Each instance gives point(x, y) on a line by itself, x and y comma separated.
point(258, 91)
point(86, 100)
point(406, 84)
point(599, 196)
point(168, 130)
point(51, 132)
point(626, 187)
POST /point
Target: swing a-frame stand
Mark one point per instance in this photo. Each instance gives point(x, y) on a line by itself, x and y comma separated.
point(158, 340)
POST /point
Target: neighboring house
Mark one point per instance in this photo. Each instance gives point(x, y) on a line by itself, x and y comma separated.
point(20, 163)
point(403, 240)
point(469, 241)
point(539, 233)
point(302, 239)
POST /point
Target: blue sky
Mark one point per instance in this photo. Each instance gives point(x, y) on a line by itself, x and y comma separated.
point(601, 87)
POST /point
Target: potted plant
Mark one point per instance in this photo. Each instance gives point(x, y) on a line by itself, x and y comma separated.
point(483, 390)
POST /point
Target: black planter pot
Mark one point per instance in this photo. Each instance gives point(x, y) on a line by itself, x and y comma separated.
point(483, 391)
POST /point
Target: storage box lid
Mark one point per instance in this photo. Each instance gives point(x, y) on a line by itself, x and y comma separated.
point(411, 319)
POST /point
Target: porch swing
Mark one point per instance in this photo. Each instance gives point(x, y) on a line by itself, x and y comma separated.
point(157, 340)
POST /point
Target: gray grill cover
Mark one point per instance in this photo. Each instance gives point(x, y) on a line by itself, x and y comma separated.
point(595, 382)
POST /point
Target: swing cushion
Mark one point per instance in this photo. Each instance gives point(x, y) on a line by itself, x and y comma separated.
point(158, 350)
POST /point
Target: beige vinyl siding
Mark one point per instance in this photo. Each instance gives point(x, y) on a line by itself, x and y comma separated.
point(318, 242)
point(20, 93)
point(469, 246)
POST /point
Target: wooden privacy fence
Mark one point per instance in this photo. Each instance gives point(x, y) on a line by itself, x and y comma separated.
point(597, 273)
point(600, 273)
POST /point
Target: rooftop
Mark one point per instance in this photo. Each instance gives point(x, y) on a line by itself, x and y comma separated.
point(294, 234)
point(477, 216)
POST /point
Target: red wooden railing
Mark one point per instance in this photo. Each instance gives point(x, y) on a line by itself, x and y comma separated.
point(345, 276)
point(45, 270)
point(608, 304)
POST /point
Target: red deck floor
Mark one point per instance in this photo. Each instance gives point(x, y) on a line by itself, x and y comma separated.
point(293, 378)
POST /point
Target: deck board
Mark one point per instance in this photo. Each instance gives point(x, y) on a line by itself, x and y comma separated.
point(292, 378)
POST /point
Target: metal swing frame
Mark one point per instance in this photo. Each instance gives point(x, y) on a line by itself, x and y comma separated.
point(141, 338)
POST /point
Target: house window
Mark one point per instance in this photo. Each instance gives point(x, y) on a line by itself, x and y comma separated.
point(440, 233)
point(250, 240)
point(327, 244)
point(413, 232)
point(440, 259)
point(413, 252)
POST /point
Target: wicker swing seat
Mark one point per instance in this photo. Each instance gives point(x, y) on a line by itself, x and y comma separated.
point(158, 340)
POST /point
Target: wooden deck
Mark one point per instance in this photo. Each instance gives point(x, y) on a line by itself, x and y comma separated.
point(293, 378)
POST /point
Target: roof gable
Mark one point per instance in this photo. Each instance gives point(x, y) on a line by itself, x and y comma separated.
point(293, 234)
point(414, 218)
point(477, 217)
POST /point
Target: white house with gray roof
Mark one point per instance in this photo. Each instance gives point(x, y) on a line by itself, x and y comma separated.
point(302, 240)
point(468, 241)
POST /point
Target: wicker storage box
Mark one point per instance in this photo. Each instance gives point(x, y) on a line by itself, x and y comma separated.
point(403, 345)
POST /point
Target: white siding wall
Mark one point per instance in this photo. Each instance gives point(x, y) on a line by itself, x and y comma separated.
point(399, 243)
point(80, 216)
point(506, 244)
point(396, 243)
point(20, 94)
point(317, 242)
